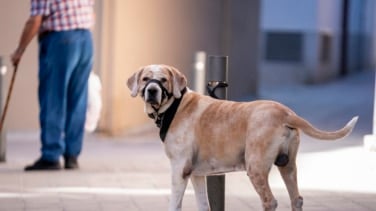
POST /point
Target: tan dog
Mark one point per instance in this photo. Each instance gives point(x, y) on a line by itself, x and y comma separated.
point(208, 136)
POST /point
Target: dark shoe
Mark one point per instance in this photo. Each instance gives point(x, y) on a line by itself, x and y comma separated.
point(41, 165)
point(70, 163)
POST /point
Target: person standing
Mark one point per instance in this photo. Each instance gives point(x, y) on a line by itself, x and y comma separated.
point(65, 62)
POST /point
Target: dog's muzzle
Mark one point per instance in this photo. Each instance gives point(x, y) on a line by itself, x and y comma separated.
point(155, 93)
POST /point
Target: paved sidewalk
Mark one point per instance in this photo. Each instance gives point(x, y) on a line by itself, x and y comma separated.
point(132, 173)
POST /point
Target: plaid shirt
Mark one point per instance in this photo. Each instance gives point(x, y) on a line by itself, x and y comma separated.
point(61, 15)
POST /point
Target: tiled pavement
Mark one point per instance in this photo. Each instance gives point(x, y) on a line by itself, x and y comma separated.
point(132, 173)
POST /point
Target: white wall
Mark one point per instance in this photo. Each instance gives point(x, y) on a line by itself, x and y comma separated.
point(329, 15)
point(23, 108)
point(288, 15)
point(312, 18)
point(298, 15)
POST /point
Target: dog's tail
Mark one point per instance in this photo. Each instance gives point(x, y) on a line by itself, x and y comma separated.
point(295, 121)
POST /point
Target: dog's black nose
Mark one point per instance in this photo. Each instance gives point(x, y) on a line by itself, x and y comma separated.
point(152, 91)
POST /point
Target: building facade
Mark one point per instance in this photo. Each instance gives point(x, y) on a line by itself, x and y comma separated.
point(315, 40)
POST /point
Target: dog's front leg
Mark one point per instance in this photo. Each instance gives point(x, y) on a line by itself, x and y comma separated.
point(199, 185)
point(179, 184)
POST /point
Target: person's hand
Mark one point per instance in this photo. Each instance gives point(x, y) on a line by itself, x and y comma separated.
point(16, 56)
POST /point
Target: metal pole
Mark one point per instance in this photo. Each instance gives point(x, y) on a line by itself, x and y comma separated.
point(217, 72)
point(369, 141)
point(2, 133)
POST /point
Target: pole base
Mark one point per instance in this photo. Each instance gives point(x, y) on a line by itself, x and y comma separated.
point(369, 142)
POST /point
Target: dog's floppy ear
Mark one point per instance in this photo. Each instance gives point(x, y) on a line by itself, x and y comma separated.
point(179, 82)
point(132, 82)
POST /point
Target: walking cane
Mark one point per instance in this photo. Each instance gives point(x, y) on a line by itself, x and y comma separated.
point(8, 98)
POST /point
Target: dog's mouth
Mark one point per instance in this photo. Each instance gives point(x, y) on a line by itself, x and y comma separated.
point(153, 94)
point(152, 101)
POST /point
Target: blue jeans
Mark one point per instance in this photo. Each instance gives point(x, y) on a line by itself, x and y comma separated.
point(65, 62)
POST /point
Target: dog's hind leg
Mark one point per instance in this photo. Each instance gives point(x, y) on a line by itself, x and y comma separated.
point(289, 175)
point(258, 174)
point(199, 185)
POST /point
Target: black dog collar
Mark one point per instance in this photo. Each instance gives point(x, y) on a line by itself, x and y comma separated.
point(164, 119)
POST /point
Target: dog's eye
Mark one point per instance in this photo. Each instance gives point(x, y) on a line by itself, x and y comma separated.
point(145, 79)
point(163, 80)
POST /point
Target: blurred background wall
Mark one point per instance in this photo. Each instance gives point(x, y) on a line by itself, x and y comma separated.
point(269, 43)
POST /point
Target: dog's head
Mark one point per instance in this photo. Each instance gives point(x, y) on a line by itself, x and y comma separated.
point(157, 84)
